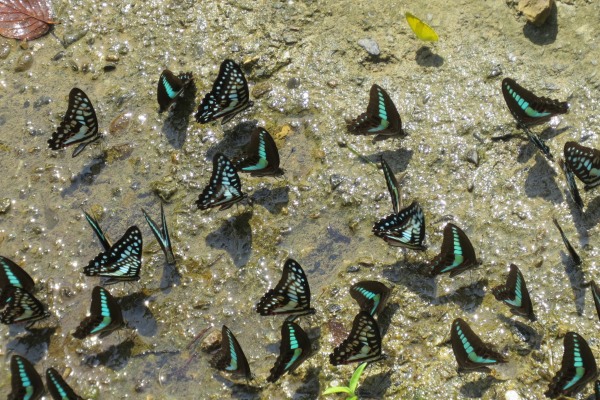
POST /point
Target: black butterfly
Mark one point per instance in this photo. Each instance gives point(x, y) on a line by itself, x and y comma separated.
point(404, 229)
point(20, 306)
point(515, 294)
point(231, 358)
point(381, 119)
point(597, 390)
point(98, 231)
point(224, 188)
point(170, 87)
point(290, 296)
point(457, 253)
point(371, 296)
point(26, 383)
point(570, 249)
point(229, 95)
point(596, 296)
point(79, 124)
point(392, 185)
point(13, 275)
point(571, 183)
point(584, 162)
point(362, 345)
point(162, 234)
point(577, 369)
point(122, 262)
point(263, 157)
point(470, 352)
point(538, 142)
point(58, 388)
point(527, 108)
point(294, 349)
point(105, 316)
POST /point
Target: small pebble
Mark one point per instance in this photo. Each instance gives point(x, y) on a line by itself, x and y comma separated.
point(473, 157)
point(536, 11)
point(370, 46)
point(110, 67)
point(496, 71)
point(71, 37)
point(293, 83)
point(24, 62)
point(58, 56)
point(120, 124)
point(335, 180)
point(5, 205)
point(4, 50)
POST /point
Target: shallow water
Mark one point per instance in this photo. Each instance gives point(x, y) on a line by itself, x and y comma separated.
point(307, 74)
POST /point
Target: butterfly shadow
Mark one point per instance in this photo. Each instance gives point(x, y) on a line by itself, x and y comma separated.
point(468, 297)
point(587, 219)
point(137, 314)
point(411, 276)
point(178, 118)
point(577, 281)
point(529, 335)
point(116, 357)
point(310, 386)
point(551, 132)
point(476, 389)
point(375, 386)
point(240, 389)
point(86, 176)
point(33, 345)
point(545, 34)
point(272, 199)
point(398, 159)
point(540, 182)
point(427, 58)
point(171, 277)
point(235, 237)
point(384, 319)
point(235, 137)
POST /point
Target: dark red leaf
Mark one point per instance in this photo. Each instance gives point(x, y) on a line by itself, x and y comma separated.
point(25, 19)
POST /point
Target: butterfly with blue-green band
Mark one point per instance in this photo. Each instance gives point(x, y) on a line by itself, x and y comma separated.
point(58, 388)
point(381, 119)
point(570, 249)
point(392, 185)
point(527, 108)
point(13, 275)
point(161, 234)
point(363, 344)
point(371, 296)
point(570, 177)
point(515, 294)
point(262, 157)
point(584, 162)
point(19, 305)
point(105, 316)
point(224, 188)
point(470, 351)
point(171, 87)
point(403, 229)
point(294, 349)
point(457, 253)
point(104, 241)
point(26, 383)
point(596, 296)
point(231, 357)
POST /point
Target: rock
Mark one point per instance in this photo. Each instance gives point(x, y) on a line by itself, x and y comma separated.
point(5, 204)
point(24, 62)
point(4, 50)
point(370, 46)
point(536, 11)
point(72, 36)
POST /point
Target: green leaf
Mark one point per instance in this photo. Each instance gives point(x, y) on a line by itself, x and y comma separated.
point(338, 389)
point(356, 377)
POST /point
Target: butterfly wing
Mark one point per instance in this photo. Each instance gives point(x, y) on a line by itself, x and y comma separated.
point(170, 87)
point(527, 108)
point(457, 254)
point(362, 345)
point(570, 177)
point(105, 315)
point(596, 296)
point(161, 234)
point(263, 156)
point(584, 162)
point(26, 383)
point(98, 231)
point(79, 124)
point(421, 29)
point(371, 296)
point(13, 275)
point(294, 349)
point(470, 351)
point(231, 358)
point(290, 296)
point(405, 229)
point(20, 306)
point(229, 95)
point(392, 185)
point(570, 249)
point(577, 369)
point(122, 262)
point(382, 117)
point(224, 188)
point(515, 294)
point(58, 388)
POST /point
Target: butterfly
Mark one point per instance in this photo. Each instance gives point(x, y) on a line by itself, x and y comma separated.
point(105, 316)
point(58, 388)
point(20, 306)
point(381, 119)
point(421, 29)
point(229, 95)
point(290, 296)
point(470, 352)
point(170, 87)
point(538, 142)
point(231, 358)
point(224, 188)
point(98, 231)
point(162, 234)
point(404, 229)
point(13, 275)
point(571, 184)
point(570, 249)
point(294, 349)
point(392, 185)
point(371, 296)
point(527, 108)
point(26, 383)
point(362, 345)
point(79, 125)
point(584, 162)
point(457, 253)
point(596, 296)
point(263, 157)
point(122, 262)
point(515, 294)
point(577, 369)
point(597, 390)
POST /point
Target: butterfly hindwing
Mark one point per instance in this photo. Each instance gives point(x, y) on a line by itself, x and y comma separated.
point(26, 383)
point(105, 315)
point(470, 351)
point(79, 125)
point(570, 177)
point(294, 349)
point(584, 162)
point(229, 95)
point(392, 185)
point(122, 262)
point(382, 117)
point(362, 345)
point(98, 231)
point(421, 29)
point(262, 156)
point(224, 188)
point(13, 275)
point(290, 296)
point(577, 369)
point(161, 234)
point(20, 306)
point(527, 108)
point(457, 253)
point(170, 87)
point(58, 388)
point(404, 229)
point(372, 296)
point(515, 294)
point(230, 357)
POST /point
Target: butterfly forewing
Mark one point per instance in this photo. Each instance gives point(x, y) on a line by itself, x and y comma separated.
point(262, 156)
point(392, 185)
point(294, 349)
point(26, 383)
point(570, 177)
point(98, 231)
point(105, 315)
point(526, 107)
point(596, 296)
point(79, 124)
point(170, 87)
point(224, 188)
point(362, 345)
point(404, 229)
point(230, 357)
point(382, 117)
point(470, 351)
point(122, 262)
point(161, 234)
point(577, 369)
point(457, 253)
point(570, 249)
point(58, 388)
point(20, 306)
point(584, 162)
point(515, 294)
point(371, 296)
point(229, 95)
point(13, 275)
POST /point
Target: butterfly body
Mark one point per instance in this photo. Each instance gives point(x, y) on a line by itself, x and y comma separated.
point(230, 357)
point(224, 188)
point(161, 234)
point(584, 162)
point(263, 156)
point(20, 306)
point(515, 294)
point(403, 229)
point(457, 253)
point(105, 316)
point(58, 388)
point(527, 108)
point(372, 296)
point(294, 349)
point(170, 87)
point(362, 345)
point(470, 351)
point(26, 383)
point(381, 119)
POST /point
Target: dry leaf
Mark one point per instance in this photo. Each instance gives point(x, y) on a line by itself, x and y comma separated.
point(25, 19)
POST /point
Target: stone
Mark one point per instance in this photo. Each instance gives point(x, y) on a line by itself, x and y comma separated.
point(370, 46)
point(536, 11)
